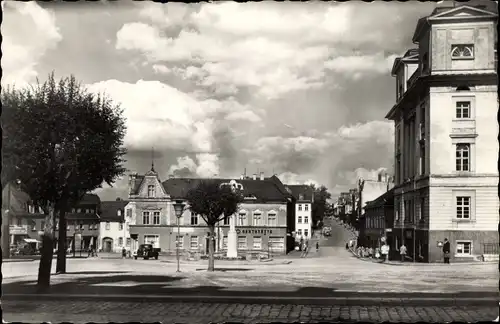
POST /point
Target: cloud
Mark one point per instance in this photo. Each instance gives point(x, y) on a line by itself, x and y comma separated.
point(358, 65)
point(185, 167)
point(29, 31)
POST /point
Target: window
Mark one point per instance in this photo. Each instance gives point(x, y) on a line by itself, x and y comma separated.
point(242, 219)
point(128, 241)
point(242, 242)
point(19, 221)
point(145, 218)
point(276, 243)
point(81, 226)
point(226, 220)
point(129, 213)
point(463, 157)
point(151, 191)
point(180, 241)
point(153, 240)
point(257, 216)
point(463, 51)
point(120, 226)
point(463, 109)
point(300, 207)
point(299, 219)
point(306, 232)
point(422, 158)
point(156, 218)
point(306, 207)
point(299, 232)
point(306, 219)
point(257, 242)
point(422, 208)
point(271, 219)
point(463, 207)
point(79, 210)
point(118, 212)
point(464, 248)
point(120, 241)
point(224, 243)
point(42, 225)
point(193, 243)
point(33, 226)
point(91, 226)
point(108, 226)
point(194, 219)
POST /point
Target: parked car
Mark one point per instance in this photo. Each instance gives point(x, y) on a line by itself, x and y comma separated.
point(147, 251)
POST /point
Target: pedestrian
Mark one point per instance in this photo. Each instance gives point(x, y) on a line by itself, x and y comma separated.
point(385, 252)
point(347, 246)
point(402, 252)
point(124, 252)
point(446, 251)
point(370, 252)
point(90, 251)
point(317, 246)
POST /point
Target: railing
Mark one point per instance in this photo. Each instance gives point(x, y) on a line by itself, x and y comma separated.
point(490, 248)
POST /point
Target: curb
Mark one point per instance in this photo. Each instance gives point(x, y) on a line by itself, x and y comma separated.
point(366, 301)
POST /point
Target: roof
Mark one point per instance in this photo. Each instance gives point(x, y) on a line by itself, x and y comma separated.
point(301, 190)
point(90, 199)
point(263, 190)
point(81, 216)
point(109, 210)
point(382, 199)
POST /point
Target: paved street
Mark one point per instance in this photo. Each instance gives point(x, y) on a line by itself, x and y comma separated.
point(84, 312)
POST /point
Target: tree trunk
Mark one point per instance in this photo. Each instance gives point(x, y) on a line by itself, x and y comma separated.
point(211, 250)
point(61, 252)
point(47, 250)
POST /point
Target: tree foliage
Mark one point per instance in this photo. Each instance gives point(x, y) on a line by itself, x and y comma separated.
point(213, 203)
point(60, 142)
point(320, 207)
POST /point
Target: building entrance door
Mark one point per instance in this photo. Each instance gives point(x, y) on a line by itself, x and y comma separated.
point(107, 244)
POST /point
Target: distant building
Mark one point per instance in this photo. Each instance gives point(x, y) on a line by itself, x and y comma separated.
point(446, 145)
point(303, 210)
point(378, 220)
point(114, 229)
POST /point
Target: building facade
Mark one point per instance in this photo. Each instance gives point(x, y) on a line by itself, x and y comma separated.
point(303, 211)
point(260, 223)
point(378, 220)
point(114, 227)
point(446, 144)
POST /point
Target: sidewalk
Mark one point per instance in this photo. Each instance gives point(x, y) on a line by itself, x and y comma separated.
point(410, 263)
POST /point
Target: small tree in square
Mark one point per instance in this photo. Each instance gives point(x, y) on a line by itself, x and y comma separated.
point(214, 202)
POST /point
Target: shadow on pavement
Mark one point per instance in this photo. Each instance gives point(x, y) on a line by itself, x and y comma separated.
point(93, 272)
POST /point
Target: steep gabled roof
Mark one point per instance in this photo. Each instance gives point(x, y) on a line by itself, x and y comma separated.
point(263, 190)
point(109, 210)
point(301, 192)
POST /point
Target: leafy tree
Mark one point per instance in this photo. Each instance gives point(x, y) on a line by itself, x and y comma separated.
point(60, 142)
point(213, 203)
point(320, 206)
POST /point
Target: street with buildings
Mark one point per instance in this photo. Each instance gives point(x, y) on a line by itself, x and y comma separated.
point(292, 253)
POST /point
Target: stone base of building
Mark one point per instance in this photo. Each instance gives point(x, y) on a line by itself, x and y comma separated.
point(482, 243)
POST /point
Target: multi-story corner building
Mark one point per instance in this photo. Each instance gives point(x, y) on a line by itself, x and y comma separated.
point(114, 231)
point(446, 143)
point(304, 196)
point(260, 224)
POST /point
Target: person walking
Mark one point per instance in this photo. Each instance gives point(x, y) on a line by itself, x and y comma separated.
point(317, 247)
point(402, 252)
point(385, 252)
point(446, 251)
point(347, 246)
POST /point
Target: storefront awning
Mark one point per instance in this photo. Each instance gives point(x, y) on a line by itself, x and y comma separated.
point(29, 240)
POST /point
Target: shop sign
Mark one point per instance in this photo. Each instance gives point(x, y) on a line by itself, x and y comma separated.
point(18, 230)
point(254, 231)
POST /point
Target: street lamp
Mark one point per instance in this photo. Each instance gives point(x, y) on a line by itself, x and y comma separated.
point(179, 209)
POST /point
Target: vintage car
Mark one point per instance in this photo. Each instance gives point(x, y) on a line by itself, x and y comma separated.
point(147, 251)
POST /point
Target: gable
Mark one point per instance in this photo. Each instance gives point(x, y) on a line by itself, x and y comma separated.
point(147, 181)
point(463, 12)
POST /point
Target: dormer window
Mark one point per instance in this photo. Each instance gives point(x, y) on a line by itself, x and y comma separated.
point(461, 52)
point(151, 191)
point(119, 212)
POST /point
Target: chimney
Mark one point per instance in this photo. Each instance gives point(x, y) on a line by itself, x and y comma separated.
point(254, 177)
point(131, 181)
point(262, 176)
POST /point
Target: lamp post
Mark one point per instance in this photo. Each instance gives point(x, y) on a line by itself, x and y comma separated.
point(179, 209)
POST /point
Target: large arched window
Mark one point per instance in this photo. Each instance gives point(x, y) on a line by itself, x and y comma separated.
point(257, 218)
point(463, 157)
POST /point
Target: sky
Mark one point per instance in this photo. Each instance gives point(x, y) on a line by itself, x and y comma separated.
point(300, 90)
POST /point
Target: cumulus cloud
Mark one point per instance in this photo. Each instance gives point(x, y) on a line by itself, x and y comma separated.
point(29, 31)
